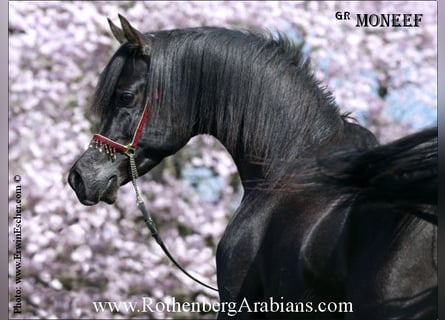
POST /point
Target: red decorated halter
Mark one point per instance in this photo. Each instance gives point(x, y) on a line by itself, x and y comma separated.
point(109, 146)
point(101, 142)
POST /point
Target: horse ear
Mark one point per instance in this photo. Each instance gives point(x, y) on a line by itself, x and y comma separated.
point(117, 32)
point(135, 37)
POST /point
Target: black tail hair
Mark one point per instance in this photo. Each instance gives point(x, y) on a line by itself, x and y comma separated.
point(403, 173)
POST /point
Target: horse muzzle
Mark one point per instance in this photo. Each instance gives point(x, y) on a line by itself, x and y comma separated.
point(91, 184)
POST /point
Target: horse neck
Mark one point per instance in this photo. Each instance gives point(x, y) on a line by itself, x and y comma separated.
point(265, 107)
point(260, 159)
point(258, 168)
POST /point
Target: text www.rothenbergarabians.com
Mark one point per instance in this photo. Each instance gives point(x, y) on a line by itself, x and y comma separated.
point(17, 240)
point(271, 305)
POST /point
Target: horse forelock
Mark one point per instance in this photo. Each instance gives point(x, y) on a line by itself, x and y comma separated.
point(109, 78)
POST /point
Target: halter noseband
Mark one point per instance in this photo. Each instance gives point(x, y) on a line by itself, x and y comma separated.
point(101, 142)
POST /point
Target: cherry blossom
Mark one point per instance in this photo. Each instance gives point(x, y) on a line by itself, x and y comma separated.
point(74, 255)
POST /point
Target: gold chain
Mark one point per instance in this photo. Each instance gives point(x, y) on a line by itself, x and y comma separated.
point(134, 176)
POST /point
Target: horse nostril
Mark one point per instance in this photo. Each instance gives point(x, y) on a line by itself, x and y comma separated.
point(112, 181)
point(76, 183)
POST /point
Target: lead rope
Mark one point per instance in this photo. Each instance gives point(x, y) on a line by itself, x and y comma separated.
point(150, 222)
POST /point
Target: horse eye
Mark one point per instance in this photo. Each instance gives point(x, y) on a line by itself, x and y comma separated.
point(126, 97)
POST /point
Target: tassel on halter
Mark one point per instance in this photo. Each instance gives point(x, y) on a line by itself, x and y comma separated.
point(101, 146)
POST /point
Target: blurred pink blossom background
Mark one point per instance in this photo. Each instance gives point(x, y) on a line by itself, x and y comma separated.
point(72, 254)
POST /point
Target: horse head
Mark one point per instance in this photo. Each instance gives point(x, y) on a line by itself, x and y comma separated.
point(123, 94)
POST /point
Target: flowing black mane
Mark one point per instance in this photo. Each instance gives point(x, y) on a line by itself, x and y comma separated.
point(264, 87)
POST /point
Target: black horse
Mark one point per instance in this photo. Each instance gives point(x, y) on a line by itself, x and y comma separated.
point(305, 230)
